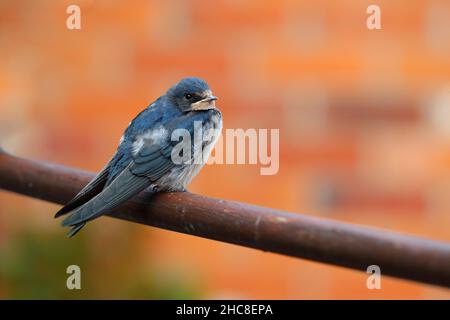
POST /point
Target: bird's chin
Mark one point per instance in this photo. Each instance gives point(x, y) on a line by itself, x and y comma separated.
point(203, 105)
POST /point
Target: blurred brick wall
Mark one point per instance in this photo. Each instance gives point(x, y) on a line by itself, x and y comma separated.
point(363, 117)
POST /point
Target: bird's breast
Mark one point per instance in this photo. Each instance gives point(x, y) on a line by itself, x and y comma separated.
point(181, 175)
point(212, 129)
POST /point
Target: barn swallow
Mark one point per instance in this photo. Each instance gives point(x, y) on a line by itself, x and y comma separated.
point(144, 157)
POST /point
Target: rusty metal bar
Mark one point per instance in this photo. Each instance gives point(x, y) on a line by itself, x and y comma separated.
point(296, 235)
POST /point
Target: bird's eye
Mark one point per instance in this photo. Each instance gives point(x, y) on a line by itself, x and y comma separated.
point(188, 96)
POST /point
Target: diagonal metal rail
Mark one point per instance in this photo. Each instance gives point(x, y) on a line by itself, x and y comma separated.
point(297, 235)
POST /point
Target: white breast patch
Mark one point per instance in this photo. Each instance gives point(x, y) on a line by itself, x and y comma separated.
point(151, 136)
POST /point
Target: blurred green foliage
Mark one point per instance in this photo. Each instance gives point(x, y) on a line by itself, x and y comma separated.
point(33, 266)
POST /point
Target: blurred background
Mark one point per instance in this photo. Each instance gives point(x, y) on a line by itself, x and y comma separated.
point(364, 135)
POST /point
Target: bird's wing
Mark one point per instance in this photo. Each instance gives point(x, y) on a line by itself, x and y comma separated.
point(149, 164)
point(88, 192)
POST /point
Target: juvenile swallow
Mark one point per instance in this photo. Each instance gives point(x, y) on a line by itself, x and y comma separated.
point(144, 157)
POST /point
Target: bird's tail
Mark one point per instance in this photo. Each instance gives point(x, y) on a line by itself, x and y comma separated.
point(75, 229)
point(125, 186)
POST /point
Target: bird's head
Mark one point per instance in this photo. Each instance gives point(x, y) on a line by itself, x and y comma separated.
point(192, 94)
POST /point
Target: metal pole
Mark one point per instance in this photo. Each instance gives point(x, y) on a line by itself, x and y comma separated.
point(291, 234)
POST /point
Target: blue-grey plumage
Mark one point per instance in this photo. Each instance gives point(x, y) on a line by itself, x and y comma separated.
point(144, 156)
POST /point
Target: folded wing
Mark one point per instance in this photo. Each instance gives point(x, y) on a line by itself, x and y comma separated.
point(88, 192)
point(149, 164)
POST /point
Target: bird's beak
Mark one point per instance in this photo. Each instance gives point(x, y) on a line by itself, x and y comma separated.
point(205, 104)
